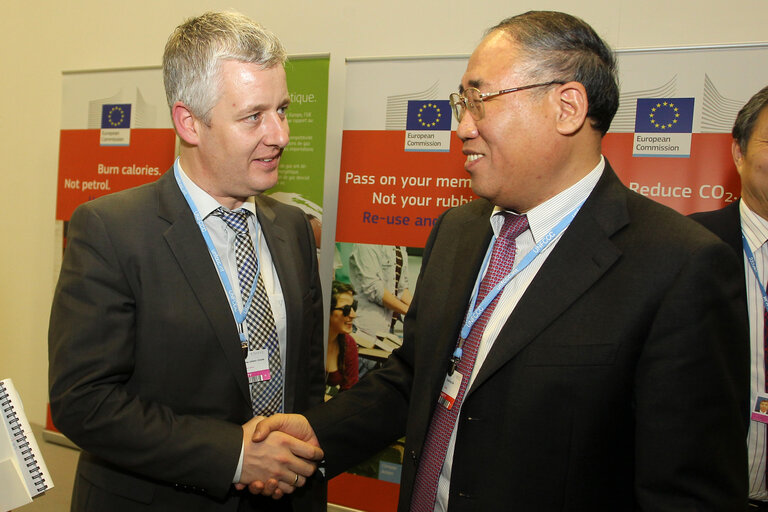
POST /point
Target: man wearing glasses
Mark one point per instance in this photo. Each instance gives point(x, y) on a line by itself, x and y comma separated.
point(604, 369)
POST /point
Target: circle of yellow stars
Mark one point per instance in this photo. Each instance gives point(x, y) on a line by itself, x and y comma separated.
point(113, 110)
point(667, 105)
point(438, 115)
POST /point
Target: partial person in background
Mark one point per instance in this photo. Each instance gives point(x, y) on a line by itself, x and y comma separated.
point(341, 360)
point(379, 273)
point(744, 226)
point(188, 306)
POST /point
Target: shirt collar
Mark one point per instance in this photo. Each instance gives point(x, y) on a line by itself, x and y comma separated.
point(205, 203)
point(754, 227)
point(545, 216)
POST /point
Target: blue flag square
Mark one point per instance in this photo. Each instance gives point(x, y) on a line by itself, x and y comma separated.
point(428, 115)
point(664, 115)
point(116, 116)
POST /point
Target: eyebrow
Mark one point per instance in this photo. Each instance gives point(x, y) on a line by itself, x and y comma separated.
point(261, 107)
point(476, 83)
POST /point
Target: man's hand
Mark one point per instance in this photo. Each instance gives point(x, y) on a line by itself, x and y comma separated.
point(297, 428)
point(281, 460)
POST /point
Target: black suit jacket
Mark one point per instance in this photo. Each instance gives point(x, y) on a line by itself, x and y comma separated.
point(146, 370)
point(615, 384)
point(725, 223)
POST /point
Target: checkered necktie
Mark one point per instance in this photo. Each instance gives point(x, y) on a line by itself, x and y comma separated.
point(444, 420)
point(266, 396)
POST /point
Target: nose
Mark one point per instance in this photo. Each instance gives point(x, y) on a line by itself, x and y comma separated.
point(277, 130)
point(467, 129)
point(352, 314)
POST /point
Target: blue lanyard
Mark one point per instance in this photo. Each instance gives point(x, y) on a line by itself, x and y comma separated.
point(753, 264)
point(477, 311)
point(238, 314)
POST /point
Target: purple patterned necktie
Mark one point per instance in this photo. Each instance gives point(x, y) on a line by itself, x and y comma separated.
point(444, 420)
point(267, 395)
point(765, 366)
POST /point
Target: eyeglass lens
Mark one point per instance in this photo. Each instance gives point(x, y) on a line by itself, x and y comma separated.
point(469, 100)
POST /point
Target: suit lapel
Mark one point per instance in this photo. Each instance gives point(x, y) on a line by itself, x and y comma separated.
point(583, 254)
point(732, 233)
point(187, 244)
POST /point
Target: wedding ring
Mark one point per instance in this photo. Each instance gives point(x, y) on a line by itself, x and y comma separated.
point(295, 480)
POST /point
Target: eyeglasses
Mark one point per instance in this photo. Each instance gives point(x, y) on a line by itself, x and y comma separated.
point(472, 99)
point(346, 310)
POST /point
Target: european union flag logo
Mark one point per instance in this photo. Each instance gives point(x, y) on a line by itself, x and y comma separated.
point(428, 115)
point(664, 115)
point(116, 116)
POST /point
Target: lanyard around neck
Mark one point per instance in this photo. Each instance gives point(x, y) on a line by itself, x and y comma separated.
point(476, 311)
point(239, 314)
point(753, 265)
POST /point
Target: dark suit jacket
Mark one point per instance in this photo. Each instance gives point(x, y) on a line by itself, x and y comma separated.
point(725, 223)
point(615, 385)
point(146, 370)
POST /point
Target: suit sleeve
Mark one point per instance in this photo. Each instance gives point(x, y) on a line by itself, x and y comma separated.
point(692, 382)
point(92, 345)
point(372, 414)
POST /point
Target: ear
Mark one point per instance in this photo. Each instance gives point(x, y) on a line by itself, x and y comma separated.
point(187, 125)
point(738, 156)
point(572, 107)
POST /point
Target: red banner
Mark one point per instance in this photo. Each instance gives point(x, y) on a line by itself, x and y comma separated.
point(88, 170)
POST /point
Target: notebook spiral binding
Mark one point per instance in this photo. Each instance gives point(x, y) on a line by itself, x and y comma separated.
point(20, 440)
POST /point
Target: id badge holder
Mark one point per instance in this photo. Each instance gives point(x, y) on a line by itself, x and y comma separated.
point(450, 389)
point(257, 365)
point(760, 409)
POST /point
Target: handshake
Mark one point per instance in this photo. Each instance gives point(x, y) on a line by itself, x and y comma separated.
point(280, 453)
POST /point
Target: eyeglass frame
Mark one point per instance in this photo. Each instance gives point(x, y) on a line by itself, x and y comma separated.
point(346, 310)
point(455, 98)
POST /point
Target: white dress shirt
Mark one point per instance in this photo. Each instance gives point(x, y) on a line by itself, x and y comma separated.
point(755, 230)
point(224, 241)
point(541, 220)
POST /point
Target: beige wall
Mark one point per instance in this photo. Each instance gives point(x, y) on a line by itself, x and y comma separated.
point(40, 40)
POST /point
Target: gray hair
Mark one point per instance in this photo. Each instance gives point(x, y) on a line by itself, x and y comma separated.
point(747, 117)
point(195, 50)
point(561, 47)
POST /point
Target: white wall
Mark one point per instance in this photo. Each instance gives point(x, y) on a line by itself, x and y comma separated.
point(40, 40)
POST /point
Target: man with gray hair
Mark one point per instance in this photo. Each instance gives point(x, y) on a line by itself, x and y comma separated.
point(571, 345)
point(191, 306)
point(744, 226)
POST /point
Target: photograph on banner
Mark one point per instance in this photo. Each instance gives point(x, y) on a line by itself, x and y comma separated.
point(370, 294)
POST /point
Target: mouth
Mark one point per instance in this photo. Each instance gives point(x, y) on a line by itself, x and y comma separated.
point(271, 158)
point(472, 157)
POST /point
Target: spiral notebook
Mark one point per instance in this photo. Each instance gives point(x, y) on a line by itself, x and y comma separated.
point(23, 474)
